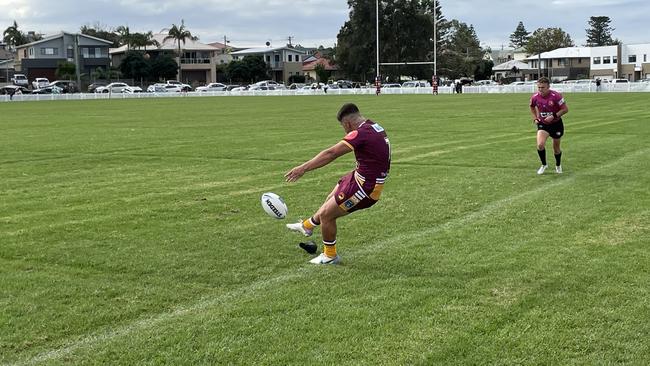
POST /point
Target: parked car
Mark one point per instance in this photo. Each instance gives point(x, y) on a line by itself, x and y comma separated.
point(20, 80)
point(620, 81)
point(67, 86)
point(485, 82)
point(184, 87)
point(261, 87)
point(52, 89)
point(232, 87)
point(39, 83)
point(295, 86)
point(416, 84)
point(95, 85)
point(116, 87)
point(13, 89)
point(390, 85)
point(211, 87)
point(132, 89)
point(239, 88)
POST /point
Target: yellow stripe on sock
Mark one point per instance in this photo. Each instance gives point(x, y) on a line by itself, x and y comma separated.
point(329, 250)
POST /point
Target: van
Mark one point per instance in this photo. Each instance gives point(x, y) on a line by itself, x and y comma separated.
point(619, 81)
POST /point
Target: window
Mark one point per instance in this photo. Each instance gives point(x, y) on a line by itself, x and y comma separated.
point(70, 53)
point(31, 51)
point(561, 62)
point(645, 57)
point(606, 59)
point(297, 58)
point(596, 60)
point(48, 51)
point(290, 57)
point(98, 52)
point(277, 58)
point(631, 58)
point(614, 59)
point(84, 52)
point(579, 60)
point(268, 58)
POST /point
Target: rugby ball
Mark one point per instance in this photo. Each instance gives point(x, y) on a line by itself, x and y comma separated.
point(274, 205)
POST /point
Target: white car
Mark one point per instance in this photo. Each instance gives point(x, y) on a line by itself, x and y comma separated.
point(40, 83)
point(132, 89)
point(20, 80)
point(211, 87)
point(184, 87)
point(416, 84)
point(112, 88)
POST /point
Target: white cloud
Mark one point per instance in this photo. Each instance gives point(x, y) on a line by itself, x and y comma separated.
point(315, 22)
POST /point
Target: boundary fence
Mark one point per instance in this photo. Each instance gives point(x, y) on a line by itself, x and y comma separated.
point(496, 89)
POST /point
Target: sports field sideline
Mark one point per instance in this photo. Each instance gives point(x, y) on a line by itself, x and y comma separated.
point(131, 232)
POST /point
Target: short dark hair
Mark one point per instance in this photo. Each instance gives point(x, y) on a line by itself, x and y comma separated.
point(346, 110)
point(544, 80)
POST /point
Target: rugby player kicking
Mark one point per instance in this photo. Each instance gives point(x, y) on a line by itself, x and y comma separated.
point(355, 191)
point(547, 107)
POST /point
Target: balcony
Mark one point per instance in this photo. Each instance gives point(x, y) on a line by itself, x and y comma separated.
point(195, 60)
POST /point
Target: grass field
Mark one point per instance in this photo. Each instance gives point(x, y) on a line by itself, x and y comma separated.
point(131, 233)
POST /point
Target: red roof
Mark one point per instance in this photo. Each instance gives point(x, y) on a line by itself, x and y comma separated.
point(311, 65)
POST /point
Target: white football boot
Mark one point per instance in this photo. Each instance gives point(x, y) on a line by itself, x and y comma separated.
point(323, 259)
point(558, 169)
point(299, 228)
point(542, 169)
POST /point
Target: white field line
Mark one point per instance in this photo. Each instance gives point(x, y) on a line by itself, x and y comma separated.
point(254, 288)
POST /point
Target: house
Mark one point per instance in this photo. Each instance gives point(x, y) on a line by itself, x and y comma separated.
point(561, 64)
point(631, 62)
point(309, 68)
point(283, 61)
point(512, 70)
point(634, 62)
point(6, 64)
point(41, 58)
point(197, 62)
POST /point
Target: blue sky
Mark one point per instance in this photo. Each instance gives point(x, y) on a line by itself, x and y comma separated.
point(316, 22)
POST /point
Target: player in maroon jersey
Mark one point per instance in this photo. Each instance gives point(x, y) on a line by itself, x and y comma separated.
point(357, 190)
point(547, 108)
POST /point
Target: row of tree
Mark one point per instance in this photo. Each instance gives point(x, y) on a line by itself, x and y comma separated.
point(599, 33)
point(406, 34)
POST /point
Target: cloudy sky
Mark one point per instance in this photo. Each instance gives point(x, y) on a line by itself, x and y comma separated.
point(315, 22)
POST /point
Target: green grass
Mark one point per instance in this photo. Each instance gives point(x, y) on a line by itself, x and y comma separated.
point(131, 233)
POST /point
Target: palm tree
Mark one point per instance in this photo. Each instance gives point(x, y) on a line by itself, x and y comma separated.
point(125, 36)
point(13, 37)
point(149, 41)
point(179, 34)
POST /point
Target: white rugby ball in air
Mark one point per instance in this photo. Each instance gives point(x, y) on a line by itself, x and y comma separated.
point(274, 205)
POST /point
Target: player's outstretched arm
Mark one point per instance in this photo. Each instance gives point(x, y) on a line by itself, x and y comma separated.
point(321, 159)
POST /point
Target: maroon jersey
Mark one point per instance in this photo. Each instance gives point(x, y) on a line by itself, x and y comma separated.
point(372, 152)
point(548, 105)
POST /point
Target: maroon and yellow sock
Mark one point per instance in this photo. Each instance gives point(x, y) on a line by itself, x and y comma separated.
point(329, 248)
point(310, 223)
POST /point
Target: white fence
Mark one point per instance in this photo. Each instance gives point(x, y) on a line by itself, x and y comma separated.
point(564, 88)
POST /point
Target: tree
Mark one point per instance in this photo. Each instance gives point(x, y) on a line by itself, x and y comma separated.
point(406, 34)
point(251, 68)
point(135, 66)
point(13, 37)
point(65, 70)
point(461, 51)
point(179, 34)
point(321, 74)
point(548, 39)
point(519, 38)
point(143, 40)
point(600, 32)
point(101, 31)
point(163, 67)
point(125, 36)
